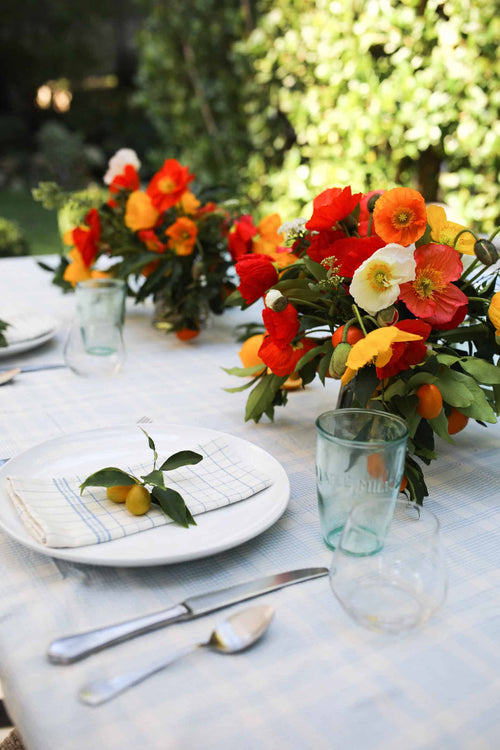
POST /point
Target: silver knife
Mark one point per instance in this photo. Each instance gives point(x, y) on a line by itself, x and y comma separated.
point(35, 368)
point(72, 648)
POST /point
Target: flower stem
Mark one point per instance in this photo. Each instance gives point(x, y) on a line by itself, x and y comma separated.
point(360, 319)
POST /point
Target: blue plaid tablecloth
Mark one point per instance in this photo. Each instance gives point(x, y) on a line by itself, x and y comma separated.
point(317, 680)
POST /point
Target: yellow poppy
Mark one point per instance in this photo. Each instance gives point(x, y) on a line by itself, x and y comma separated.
point(270, 242)
point(189, 203)
point(494, 312)
point(375, 347)
point(140, 212)
point(77, 270)
point(443, 232)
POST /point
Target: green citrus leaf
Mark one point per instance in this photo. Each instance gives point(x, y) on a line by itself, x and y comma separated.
point(182, 458)
point(456, 388)
point(108, 477)
point(244, 371)
point(482, 371)
point(261, 399)
point(154, 477)
point(173, 505)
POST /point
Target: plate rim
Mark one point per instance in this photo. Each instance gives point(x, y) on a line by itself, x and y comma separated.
point(281, 483)
point(26, 344)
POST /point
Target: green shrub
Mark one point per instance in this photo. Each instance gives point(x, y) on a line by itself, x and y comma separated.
point(322, 93)
point(12, 240)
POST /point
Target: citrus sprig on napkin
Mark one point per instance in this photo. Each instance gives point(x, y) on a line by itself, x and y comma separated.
point(3, 326)
point(170, 501)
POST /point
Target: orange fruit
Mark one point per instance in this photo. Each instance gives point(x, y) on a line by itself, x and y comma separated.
point(353, 334)
point(456, 421)
point(249, 351)
point(375, 465)
point(185, 334)
point(430, 401)
point(403, 484)
point(138, 500)
point(118, 492)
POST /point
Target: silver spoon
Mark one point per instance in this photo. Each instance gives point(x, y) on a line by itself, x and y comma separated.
point(235, 634)
point(7, 375)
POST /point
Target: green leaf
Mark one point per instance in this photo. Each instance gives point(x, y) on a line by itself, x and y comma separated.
point(181, 458)
point(455, 388)
point(150, 440)
point(108, 477)
point(261, 399)
point(173, 505)
point(242, 372)
point(316, 269)
point(398, 388)
point(416, 484)
point(440, 427)
point(324, 362)
point(365, 383)
point(482, 371)
point(447, 359)
point(154, 477)
point(419, 379)
point(480, 409)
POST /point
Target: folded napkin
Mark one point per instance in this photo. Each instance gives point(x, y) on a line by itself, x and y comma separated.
point(25, 325)
point(56, 515)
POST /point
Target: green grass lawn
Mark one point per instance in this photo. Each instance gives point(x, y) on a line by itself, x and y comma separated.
point(38, 224)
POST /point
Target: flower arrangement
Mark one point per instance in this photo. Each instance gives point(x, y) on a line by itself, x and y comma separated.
point(387, 295)
point(165, 241)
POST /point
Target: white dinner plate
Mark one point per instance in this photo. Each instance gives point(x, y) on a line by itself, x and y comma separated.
point(86, 452)
point(24, 346)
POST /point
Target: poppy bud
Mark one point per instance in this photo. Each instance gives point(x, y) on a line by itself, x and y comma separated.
point(371, 202)
point(350, 223)
point(486, 252)
point(196, 270)
point(338, 360)
point(388, 316)
point(275, 300)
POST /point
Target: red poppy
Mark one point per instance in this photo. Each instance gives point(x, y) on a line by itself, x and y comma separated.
point(331, 206)
point(86, 238)
point(351, 252)
point(283, 360)
point(168, 185)
point(127, 180)
point(406, 353)
point(148, 236)
point(364, 214)
point(281, 326)
point(240, 237)
point(257, 274)
point(431, 296)
point(321, 246)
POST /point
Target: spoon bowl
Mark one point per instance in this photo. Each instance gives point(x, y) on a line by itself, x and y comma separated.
point(237, 633)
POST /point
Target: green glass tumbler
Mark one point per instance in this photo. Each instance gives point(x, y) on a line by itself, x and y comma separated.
point(360, 455)
point(95, 343)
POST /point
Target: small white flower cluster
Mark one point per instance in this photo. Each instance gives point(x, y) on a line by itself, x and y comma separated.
point(119, 161)
point(292, 228)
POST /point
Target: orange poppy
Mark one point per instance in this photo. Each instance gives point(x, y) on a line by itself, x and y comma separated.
point(182, 236)
point(168, 185)
point(399, 216)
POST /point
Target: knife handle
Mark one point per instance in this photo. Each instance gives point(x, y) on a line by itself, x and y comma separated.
point(75, 647)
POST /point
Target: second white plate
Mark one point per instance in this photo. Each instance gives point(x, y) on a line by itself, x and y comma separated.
point(215, 532)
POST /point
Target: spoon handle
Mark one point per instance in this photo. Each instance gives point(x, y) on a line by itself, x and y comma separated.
point(101, 691)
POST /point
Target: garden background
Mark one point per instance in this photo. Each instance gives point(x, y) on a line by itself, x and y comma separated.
point(270, 102)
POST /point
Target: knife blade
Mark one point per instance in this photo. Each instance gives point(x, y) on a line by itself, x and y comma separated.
point(75, 647)
point(36, 368)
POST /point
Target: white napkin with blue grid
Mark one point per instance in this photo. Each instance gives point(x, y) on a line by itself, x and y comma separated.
point(56, 515)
